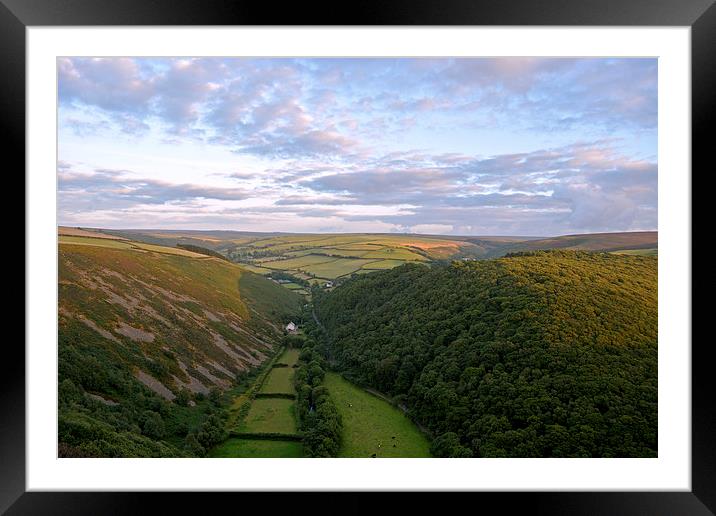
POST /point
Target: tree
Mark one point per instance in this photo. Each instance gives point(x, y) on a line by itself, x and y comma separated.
point(182, 398)
point(193, 446)
point(215, 396)
point(547, 353)
point(448, 445)
point(153, 426)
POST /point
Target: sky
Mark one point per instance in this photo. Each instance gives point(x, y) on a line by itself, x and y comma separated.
point(469, 146)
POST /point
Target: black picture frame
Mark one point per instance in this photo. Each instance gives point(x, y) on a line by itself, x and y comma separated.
point(700, 15)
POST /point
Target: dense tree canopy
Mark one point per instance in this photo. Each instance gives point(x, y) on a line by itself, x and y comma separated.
point(538, 354)
point(318, 417)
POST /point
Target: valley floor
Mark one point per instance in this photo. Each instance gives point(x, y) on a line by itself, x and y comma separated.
point(371, 426)
point(252, 418)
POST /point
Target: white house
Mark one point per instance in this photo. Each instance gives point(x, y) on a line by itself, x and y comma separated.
point(291, 328)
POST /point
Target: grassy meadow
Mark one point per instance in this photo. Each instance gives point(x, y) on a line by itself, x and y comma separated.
point(270, 415)
point(279, 381)
point(373, 426)
point(257, 448)
point(289, 357)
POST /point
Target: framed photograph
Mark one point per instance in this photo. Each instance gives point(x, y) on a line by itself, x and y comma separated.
point(423, 248)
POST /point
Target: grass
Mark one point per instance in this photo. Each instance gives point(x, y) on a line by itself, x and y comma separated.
point(255, 269)
point(333, 256)
point(257, 448)
point(344, 253)
point(382, 264)
point(113, 243)
point(373, 426)
point(169, 250)
point(97, 242)
point(289, 357)
point(294, 263)
point(337, 268)
point(360, 247)
point(67, 231)
point(274, 415)
point(394, 253)
point(279, 380)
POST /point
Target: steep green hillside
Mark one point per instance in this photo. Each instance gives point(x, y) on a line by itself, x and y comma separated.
point(147, 340)
point(544, 354)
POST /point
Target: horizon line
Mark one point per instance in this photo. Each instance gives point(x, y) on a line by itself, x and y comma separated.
point(360, 232)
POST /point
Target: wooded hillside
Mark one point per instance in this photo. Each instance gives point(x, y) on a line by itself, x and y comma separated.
point(540, 354)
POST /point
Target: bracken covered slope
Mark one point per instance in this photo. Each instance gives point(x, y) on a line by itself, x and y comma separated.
point(130, 317)
point(547, 353)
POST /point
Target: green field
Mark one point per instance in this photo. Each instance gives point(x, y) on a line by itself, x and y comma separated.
point(295, 263)
point(97, 242)
point(289, 357)
point(392, 253)
point(382, 264)
point(279, 380)
point(336, 268)
point(274, 415)
point(373, 426)
point(333, 256)
point(257, 448)
point(254, 268)
point(341, 252)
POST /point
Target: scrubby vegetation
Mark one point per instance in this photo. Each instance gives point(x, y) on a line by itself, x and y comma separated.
point(133, 422)
point(541, 354)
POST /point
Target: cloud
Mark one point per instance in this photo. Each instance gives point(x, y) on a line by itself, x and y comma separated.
point(111, 189)
point(585, 187)
point(112, 84)
point(290, 143)
point(492, 145)
point(284, 108)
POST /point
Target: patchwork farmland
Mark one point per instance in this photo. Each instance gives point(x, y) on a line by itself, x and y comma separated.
point(321, 259)
point(328, 259)
point(263, 422)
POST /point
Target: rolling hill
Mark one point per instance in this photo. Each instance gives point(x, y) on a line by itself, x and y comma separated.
point(632, 240)
point(539, 354)
point(247, 246)
point(148, 332)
